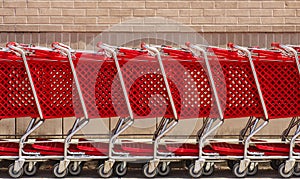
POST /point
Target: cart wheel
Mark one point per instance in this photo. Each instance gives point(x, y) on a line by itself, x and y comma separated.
point(252, 170)
point(14, 174)
point(283, 173)
point(30, 172)
point(236, 171)
point(231, 163)
point(208, 169)
point(296, 170)
point(102, 173)
point(275, 164)
point(186, 164)
point(163, 171)
point(193, 173)
point(57, 173)
point(147, 173)
point(74, 171)
point(120, 170)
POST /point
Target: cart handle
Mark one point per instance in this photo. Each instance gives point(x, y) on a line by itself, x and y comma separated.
point(288, 49)
point(157, 53)
point(111, 52)
point(248, 53)
point(67, 50)
point(197, 48)
point(18, 50)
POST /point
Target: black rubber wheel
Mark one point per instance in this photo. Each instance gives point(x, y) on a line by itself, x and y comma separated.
point(236, 171)
point(193, 173)
point(74, 171)
point(59, 174)
point(283, 173)
point(120, 170)
point(14, 174)
point(252, 170)
point(231, 163)
point(147, 173)
point(102, 173)
point(208, 169)
point(31, 172)
point(275, 164)
point(165, 171)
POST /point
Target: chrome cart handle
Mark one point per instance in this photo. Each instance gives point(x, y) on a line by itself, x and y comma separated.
point(157, 53)
point(249, 55)
point(213, 86)
point(67, 50)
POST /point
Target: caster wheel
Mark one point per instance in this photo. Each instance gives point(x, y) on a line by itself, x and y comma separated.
point(283, 173)
point(252, 170)
point(296, 170)
point(57, 173)
point(193, 173)
point(208, 169)
point(186, 164)
point(163, 171)
point(74, 171)
point(120, 170)
point(14, 174)
point(236, 171)
point(102, 173)
point(147, 173)
point(30, 172)
point(275, 164)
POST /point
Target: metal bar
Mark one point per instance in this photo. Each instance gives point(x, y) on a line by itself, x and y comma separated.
point(211, 78)
point(288, 48)
point(161, 65)
point(255, 78)
point(23, 55)
point(63, 48)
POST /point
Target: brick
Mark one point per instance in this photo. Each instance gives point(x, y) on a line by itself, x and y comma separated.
point(226, 20)
point(5, 11)
point(14, 3)
point(261, 12)
point(143, 12)
point(27, 28)
point(155, 20)
point(260, 28)
point(156, 4)
point(14, 20)
point(97, 12)
point(167, 12)
point(226, 4)
point(214, 12)
point(202, 4)
point(178, 5)
point(190, 12)
point(273, 4)
point(214, 28)
point(143, 28)
point(132, 20)
point(133, 4)
point(62, 4)
point(184, 20)
point(202, 20)
point(272, 20)
point(50, 28)
point(38, 20)
point(249, 4)
point(285, 28)
point(96, 28)
point(85, 4)
point(108, 20)
point(38, 4)
point(61, 20)
point(73, 12)
point(120, 12)
point(26, 11)
point(111, 4)
point(50, 12)
point(238, 28)
point(292, 20)
point(292, 4)
point(7, 28)
point(237, 12)
point(167, 28)
point(284, 12)
point(249, 20)
point(72, 28)
point(85, 20)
